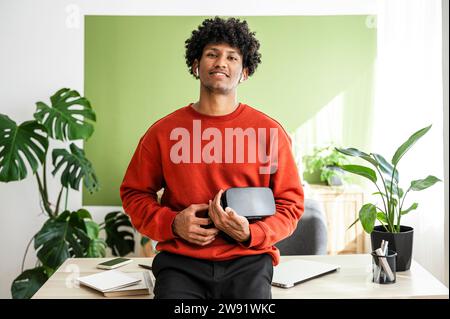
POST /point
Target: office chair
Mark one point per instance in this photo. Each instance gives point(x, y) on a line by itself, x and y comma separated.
point(310, 236)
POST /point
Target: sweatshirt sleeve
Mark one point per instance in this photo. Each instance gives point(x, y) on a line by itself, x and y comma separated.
point(142, 180)
point(289, 201)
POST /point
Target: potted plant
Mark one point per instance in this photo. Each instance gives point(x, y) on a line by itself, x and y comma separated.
point(326, 161)
point(65, 233)
point(391, 206)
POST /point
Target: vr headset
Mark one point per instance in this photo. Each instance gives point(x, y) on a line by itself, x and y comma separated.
point(250, 202)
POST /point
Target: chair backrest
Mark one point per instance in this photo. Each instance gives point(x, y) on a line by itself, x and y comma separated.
point(310, 236)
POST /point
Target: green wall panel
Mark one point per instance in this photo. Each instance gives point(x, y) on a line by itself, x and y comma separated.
point(135, 73)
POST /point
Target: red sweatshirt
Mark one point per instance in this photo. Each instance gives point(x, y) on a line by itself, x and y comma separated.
point(192, 156)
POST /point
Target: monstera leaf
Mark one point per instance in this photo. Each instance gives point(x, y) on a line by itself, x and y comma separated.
point(97, 246)
point(118, 235)
point(69, 116)
point(26, 142)
point(28, 282)
point(62, 237)
point(77, 167)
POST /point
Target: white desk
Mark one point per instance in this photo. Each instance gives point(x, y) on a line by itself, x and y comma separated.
point(352, 281)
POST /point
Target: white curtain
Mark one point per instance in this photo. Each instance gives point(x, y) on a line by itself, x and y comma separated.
point(408, 97)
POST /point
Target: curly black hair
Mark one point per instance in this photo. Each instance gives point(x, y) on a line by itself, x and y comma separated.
point(231, 31)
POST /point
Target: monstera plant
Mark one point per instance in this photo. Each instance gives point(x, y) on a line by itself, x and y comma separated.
point(23, 150)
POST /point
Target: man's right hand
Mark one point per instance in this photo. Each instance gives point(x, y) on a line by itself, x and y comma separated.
point(188, 226)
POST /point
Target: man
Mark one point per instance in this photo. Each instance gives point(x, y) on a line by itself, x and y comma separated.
point(197, 152)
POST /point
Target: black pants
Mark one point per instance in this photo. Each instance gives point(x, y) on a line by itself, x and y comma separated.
point(181, 277)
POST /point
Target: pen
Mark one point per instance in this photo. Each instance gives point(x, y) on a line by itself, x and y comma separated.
point(146, 266)
point(385, 252)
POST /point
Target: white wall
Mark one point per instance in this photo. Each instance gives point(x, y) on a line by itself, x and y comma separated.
point(41, 50)
point(445, 68)
point(38, 55)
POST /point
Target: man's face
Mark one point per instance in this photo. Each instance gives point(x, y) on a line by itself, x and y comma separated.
point(220, 68)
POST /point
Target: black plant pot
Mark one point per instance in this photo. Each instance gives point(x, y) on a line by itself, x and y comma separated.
point(401, 242)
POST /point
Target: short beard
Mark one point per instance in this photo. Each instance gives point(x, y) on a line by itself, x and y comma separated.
point(212, 89)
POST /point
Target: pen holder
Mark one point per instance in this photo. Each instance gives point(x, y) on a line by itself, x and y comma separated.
point(383, 267)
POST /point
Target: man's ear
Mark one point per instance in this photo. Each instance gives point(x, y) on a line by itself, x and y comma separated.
point(244, 75)
point(194, 68)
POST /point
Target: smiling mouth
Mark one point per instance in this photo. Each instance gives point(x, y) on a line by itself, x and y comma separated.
point(218, 74)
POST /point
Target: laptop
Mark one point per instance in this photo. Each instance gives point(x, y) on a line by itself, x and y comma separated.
point(290, 273)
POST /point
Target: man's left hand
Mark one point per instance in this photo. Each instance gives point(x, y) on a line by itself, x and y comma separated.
point(228, 221)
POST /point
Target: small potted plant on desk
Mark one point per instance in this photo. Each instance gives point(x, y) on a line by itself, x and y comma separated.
point(386, 180)
point(326, 161)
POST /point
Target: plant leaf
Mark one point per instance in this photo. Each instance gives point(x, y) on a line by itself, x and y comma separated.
point(393, 201)
point(97, 246)
point(382, 217)
point(357, 153)
point(422, 184)
point(408, 144)
point(386, 167)
point(78, 218)
point(390, 198)
point(50, 243)
point(26, 142)
point(121, 242)
point(412, 207)
point(367, 216)
point(28, 283)
point(77, 167)
point(61, 238)
point(92, 229)
point(379, 193)
point(326, 161)
point(80, 239)
point(362, 171)
point(44, 235)
point(357, 219)
point(398, 193)
point(69, 116)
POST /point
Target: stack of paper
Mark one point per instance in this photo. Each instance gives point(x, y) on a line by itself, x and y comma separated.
point(114, 283)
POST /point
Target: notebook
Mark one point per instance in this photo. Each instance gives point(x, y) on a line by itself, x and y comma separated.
point(143, 287)
point(117, 283)
point(290, 273)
